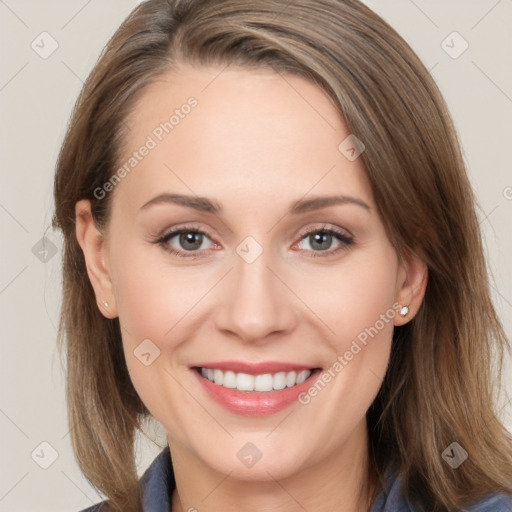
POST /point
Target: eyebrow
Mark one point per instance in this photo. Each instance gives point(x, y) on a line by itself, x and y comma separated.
point(205, 204)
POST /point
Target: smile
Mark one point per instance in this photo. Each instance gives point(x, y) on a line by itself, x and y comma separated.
point(260, 383)
point(254, 389)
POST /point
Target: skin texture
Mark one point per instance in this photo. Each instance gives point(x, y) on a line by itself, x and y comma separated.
point(256, 142)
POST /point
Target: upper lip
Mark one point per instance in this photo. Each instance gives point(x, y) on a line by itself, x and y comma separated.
point(254, 368)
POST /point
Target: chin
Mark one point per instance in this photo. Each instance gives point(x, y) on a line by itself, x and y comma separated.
point(259, 459)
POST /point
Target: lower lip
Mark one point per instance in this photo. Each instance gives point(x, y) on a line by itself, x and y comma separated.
point(255, 403)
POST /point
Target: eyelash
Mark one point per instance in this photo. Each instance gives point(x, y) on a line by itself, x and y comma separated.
point(346, 241)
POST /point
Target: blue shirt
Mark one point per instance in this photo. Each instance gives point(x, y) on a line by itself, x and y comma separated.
point(158, 484)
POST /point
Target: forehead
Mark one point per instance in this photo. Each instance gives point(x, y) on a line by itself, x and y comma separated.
point(237, 133)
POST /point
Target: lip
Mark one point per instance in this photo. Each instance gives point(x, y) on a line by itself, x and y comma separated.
point(255, 403)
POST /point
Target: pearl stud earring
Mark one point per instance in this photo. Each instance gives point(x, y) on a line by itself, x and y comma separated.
point(105, 303)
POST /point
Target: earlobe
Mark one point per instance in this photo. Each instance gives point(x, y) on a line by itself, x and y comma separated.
point(93, 246)
point(411, 286)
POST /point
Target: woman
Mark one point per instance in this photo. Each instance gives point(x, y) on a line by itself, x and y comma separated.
point(271, 248)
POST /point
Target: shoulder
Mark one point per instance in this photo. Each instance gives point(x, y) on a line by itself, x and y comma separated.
point(391, 498)
point(492, 503)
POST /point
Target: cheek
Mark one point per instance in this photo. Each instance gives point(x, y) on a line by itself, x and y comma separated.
point(153, 302)
point(151, 296)
point(355, 297)
point(160, 303)
point(367, 300)
point(355, 303)
point(358, 309)
point(141, 298)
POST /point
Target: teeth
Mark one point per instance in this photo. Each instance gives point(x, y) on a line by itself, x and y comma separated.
point(279, 380)
point(302, 376)
point(263, 382)
point(246, 382)
point(218, 377)
point(229, 380)
point(291, 379)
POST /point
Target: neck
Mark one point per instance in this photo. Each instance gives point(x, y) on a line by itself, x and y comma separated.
point(339, 482)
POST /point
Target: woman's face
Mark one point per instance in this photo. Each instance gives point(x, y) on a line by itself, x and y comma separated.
point(268, 279)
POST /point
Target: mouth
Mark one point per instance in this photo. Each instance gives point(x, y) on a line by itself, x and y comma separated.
point(260, 383)
point(250, 389)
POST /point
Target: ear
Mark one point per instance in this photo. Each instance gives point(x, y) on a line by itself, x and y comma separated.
point(94, 248)
point(411, 285)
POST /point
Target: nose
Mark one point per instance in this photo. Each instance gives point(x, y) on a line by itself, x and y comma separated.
point(256, 302)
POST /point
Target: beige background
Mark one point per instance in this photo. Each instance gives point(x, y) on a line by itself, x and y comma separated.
point(36, 97)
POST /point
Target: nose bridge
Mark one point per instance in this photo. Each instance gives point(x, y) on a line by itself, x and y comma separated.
point(256, 302)
point(252, 274)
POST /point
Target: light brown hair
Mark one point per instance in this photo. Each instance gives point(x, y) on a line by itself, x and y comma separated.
point(440, 384)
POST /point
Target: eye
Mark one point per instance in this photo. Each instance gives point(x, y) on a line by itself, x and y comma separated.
point(192, 242)
point(321, 240)
point(187, 242)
